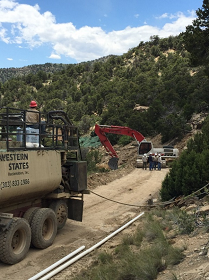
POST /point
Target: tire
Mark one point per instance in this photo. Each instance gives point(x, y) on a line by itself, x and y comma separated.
point(30, 213)
point(15, 241)
point(43, 228)
point(61, 211)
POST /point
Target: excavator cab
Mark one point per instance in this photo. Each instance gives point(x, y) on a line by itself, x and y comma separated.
point(144, 147)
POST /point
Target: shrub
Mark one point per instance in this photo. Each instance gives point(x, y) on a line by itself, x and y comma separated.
point(93, 157)
point(105, 258)
point(125, 140)
point(128, 262)
point(182, 221)
point(190, 172)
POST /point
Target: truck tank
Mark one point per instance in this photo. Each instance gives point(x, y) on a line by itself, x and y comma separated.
point(43, 180)
point(28, 175)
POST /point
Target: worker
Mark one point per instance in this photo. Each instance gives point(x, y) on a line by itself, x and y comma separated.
point(150, 162)
point(144, 161)
point(32, 115)
point(32, 118)
point(159, 162)
point(155, 161)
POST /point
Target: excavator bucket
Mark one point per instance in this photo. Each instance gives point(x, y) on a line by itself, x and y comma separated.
point(113, 163)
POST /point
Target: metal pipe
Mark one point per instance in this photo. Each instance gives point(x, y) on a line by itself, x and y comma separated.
point(56, 264)
point(54, 272)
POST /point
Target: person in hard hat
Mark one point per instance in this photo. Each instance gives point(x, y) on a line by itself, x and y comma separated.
point(155, 161)
point(32, 115)
point(144, 161)
point(32, 118)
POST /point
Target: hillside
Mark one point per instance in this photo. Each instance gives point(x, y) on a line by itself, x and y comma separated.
point(11, 73)
point(153, 88)
point(49, 68)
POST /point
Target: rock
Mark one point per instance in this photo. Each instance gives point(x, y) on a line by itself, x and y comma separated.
point(203, 209)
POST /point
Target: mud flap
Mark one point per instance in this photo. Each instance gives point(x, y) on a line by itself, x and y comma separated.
point(75, 209)
point(113, 163)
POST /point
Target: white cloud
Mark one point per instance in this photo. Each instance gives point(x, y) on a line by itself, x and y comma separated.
point(177, 15)
point(54, 56)
point(166, 15)
point(7, 4)
point(3, 36)
point(29, 27)
point(9, 58)
point(176, 26)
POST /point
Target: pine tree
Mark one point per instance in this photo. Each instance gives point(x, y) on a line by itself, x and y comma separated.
point(196, 37)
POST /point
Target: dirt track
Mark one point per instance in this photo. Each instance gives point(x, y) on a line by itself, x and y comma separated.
point(101, 217)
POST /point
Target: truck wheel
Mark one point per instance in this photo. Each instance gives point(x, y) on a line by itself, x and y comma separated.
point(30, 213)
point(15, 241)
point(43, 228)
point(61, 212)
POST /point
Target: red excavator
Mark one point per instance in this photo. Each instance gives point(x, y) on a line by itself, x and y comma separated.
point(145, 147)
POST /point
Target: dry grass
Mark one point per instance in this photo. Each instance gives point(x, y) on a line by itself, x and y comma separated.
point(140, 256)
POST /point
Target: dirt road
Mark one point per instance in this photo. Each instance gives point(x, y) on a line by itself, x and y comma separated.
point(101, 217)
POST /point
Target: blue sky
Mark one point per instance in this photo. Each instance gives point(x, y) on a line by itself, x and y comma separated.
point(73, 31)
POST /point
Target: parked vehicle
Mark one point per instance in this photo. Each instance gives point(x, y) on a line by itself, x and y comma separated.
point(42, 181)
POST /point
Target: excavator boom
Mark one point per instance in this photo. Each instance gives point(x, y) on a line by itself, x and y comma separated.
point(100, 130)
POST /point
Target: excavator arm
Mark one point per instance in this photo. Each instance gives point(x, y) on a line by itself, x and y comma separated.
point(100, 130)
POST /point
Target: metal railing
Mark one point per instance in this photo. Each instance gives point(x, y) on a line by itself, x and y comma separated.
point(53, 131)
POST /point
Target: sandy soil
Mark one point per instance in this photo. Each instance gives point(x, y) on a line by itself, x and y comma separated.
point(101, 217)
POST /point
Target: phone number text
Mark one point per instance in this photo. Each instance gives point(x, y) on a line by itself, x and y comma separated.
point(14, 183)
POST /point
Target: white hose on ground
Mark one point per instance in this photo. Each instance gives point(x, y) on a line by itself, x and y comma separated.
point(56, 264)
point(54, 272)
